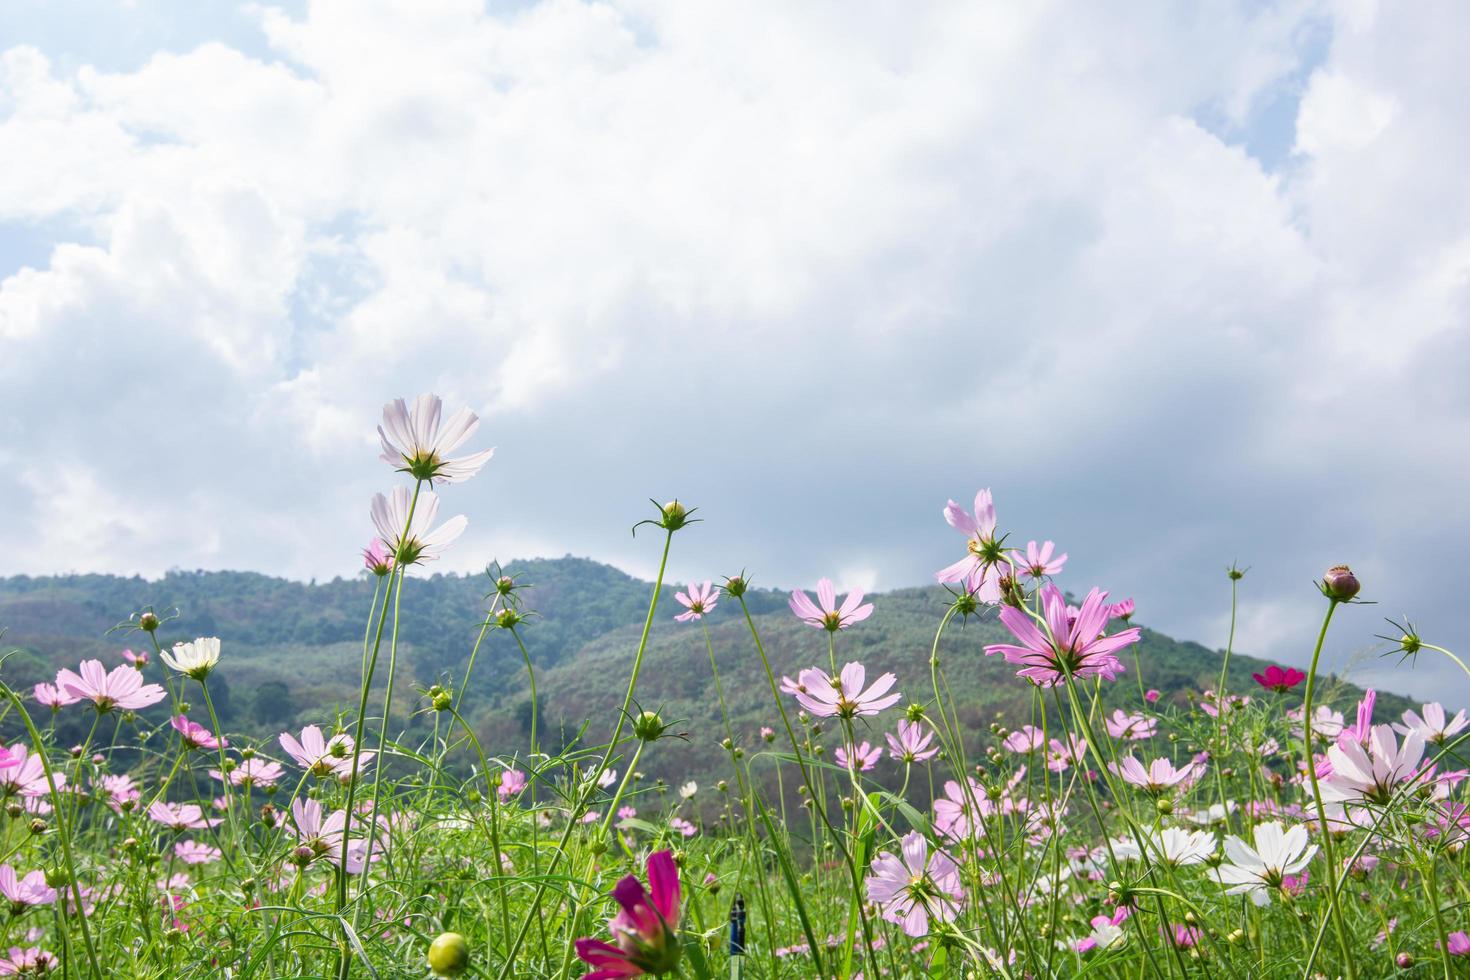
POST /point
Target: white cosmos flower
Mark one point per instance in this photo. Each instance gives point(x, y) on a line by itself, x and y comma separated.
point(196, 659)
point(413, 543)
point(1174, 846)
point(688, 790)
point(1255, 871)
point(415, 443)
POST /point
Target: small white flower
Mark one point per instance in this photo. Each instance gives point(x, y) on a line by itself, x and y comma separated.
point(414, 542)
point(1174, 846)
point(688, 790)
point(196, 659)
point(1255, 871)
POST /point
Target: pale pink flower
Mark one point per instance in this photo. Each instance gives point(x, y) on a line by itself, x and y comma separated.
point(53, 697)
point(122, 688)
point(32, 962)
point(120, 792)
point(27, 892)
point(27, 775)
point(254, 771)
point(1038, 562)
point(1364, 725)
point(414, 543)
point(1027, 738)
point(1158, 776)
point(1133, 727)
point(627, 812)
point(323, 756)
point(181, 816)
point(914, 743)
point(1121, 610)
point(1372, 772)
point(697, 602)
point(1060, 755)
point(915, 886)
point(829, 616)
point(193, 852)
point(415, 443)
point(1432, 725)
point(377, 557)
point(138, 658)
point(865, 757)
point(683, 826)
point(1068, 647)
point(512, 781)
point(985, 562)
point(322, 837)
point(196, 736)
point(1326, 723)
point(842, 696)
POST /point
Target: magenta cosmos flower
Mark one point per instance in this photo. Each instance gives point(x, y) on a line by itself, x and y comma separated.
point(416, 443)
point(1039, 562)
point(645, 931)
point(122, 688)
point(196, 736)
point(699, 600)
point(1279, 679)
point(985, 562)
point(843, 696)
point(1075, 647)
point(829, 616)
point(915, 886)
point(512, 781)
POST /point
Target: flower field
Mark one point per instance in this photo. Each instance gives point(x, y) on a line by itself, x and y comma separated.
point(1252, 829)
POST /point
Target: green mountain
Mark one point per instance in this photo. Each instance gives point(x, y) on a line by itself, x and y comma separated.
point(292, 654)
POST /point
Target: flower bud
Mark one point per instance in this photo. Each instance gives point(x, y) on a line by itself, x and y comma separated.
point(449, 955)
point(1340, 583)
point(302, 855)
point(14, 810)
point(38, 826)
point(735, 586)
point(597, 847)
point(675, 515)
point(147, 621)
point(76, 751)
point(1164, 805)
point(98, 758)
point(1404, 960)
point(57, 877)
point(505, 585)
point(247, 753)
point(443, 701)
point(648, 726)
point(507, 618)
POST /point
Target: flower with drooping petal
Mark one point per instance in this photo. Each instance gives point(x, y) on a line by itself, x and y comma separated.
point(181, 816)
point(1158, 776)
point(645, 931)
point(1038, 562)
point(53, 697)
point(27, 892)
point(1174, 846)
point(26, 774)
point(32, 962)
point(377, 558)
point(414, 441)
point(1107, 931)
point(1364, 725)
point(1279, 679)
point(196, 658)
point(122, 688)
point(1256, 871)
point(865, 757)
point(914, 743)
point(697, 602)
point(985, 562)
point(193, 852)
point(1027, 738)
point(842, 696)
point(829, 616)
point(414, 543)
point(915, 886)
point(1075, 647)
point(1432, 725)
point(196, 736)
point(1133, 727)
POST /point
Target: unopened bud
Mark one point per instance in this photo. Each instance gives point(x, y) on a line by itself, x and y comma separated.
point(38, 826)
point(449, 955)
point(735, 586)
point(648, 726)
point(1340, 583)
point(675, 515)
point(147, 622)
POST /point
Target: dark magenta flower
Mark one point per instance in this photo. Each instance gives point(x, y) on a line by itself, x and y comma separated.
point(1281, 679)
point(646, 928)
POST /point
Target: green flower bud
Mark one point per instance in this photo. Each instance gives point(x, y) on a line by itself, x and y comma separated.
point(449, 955)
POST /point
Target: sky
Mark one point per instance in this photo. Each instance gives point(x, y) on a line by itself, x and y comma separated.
point(1184, 284)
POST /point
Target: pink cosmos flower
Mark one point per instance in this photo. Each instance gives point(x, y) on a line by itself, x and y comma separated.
point(1280, 679)
point(767, 733)
point(1182, 936)
point(915, 886)
point(1432, 726)
point(24, 893)
point(842, 696)
point(684, 827)
point(1038, 562)
point(1076, 648)
point(1107, 930)
point(181, 816)
point(119, 792)
point(322, 838)
point(196, 736)
point(1027, 738)
point(26, 775)
point(913, 743)
point(1159, 776)
point(1372, 771)
point(254, 771)
point(865, 756)
point(1364, 725)
point(323, 756)
point(32, 962)
point(1121, 610)
point(1060, 755)
point(627, 812)
point(1326, 723)
point(414, 543)
point(122, 688)
point(193, 852)
point(377, 557)
point(829, 616)
point(1209, 703)
point(1134, 727)
point(51, 696)
point(138, 659)
point(415, 443)
point(1457, 944)
point(512, 781)
point(646, 929)
point(1152, 697)
point(985, 562)
point(699, 600)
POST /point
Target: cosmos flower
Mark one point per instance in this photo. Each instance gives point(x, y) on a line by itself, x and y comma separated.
point(1256, 871)
point(1159, 776)
point(1038, 562)
point(196, 658)
point(414, 441)
point(842, 696)
point(512, 781)
point(985, 562)
point(31, 962)
point(196, 736)
point(1134, 727)
point(1068, 647)
point(865, 757)
point(1174, 846)
point(645, 931)
point(138, 659)
point(829, 616)
point(699, 600)
point(323, 756)
point(120, 792)
point(1027, 738)
point(254, 771)
point(1107, 931)
point(1280, 679)
point(181, 816)
point(1457, 944)
point(26, 774)
point(912, 744)
point(377, 557)
point(414, 543)
point(122, 688)
point(915, 886)
point(193, 852)
point(53, 697)
point(1432, 726)
point(1326, 723)
point(1121, 610)
point(27, 892)
point(1372, 772)
point(684, 827)
point(322, 837)
point(1062, 755)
